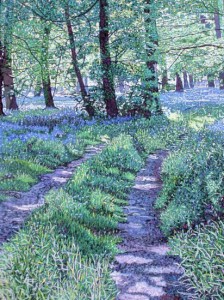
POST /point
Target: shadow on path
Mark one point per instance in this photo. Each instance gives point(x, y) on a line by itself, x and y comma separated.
point(14, 211)
point(144, 270)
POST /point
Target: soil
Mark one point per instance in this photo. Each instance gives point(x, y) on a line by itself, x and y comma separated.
point(20, 205)
point(144, 270)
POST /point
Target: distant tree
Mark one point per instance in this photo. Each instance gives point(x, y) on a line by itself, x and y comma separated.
point(179, 83)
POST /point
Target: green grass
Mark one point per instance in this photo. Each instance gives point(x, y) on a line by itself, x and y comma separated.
point(67, 245)
point(202, 254)
point(76, 222)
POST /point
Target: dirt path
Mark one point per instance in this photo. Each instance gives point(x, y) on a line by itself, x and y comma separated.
point(144, 270)
point(14, 211)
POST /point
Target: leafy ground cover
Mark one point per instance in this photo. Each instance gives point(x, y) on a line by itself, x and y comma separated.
point(68, 244)
point(191, 205)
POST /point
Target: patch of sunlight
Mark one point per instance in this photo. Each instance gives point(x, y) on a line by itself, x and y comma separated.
point(200, 122)
point(175, 116)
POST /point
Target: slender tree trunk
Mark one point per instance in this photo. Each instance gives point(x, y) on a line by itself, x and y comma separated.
point(38, 87)
point(45, 74)
point(151, 80)
point(218, 32)
point(221, 80)
point(106, 64)
point(1, 82)
point(211, 81)
point(186, 83)
point(164, 80)
point(191, 81)
point(179, 83)
point(1, 103)
point(85, 97)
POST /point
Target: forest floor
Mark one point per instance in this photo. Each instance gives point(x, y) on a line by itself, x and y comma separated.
point(144, 270)
point(189, 99)
point(192, 99)
point(19, 206)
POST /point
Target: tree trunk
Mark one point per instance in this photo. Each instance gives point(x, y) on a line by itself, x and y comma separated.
point(191, 81)
point(6, 60)
point(106, 64)
point(151, 93)
point(7, 78)
point(49, 101)
point(38, 87)
point(1, 103)
point(164, 80)
point(218, 32)
point(221, 80)
point(186, 83)
point(179, 83)
point(211, 81)
point(85, 97)
point(45, 74)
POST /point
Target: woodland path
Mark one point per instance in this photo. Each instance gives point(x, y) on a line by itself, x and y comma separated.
point(144, 270)
point(14, 211)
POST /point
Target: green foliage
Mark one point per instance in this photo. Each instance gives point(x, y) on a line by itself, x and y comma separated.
point(193, 184)
point(202, 254)
point(68, 241)
point(19, 175)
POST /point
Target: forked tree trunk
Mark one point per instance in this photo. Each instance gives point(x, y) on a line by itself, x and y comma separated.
point(106, 64)
point(45, 74)
point(85, 97)
point(191, 81)
point(186, 83)
point(179, 83)
point(151, 92)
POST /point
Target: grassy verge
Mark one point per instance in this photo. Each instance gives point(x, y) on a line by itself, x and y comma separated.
point(66, 246)
point(191, 205)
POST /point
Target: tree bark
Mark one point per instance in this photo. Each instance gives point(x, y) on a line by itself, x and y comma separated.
point(186, 83)
point(45, 74)
point(164, 80)
point(106, 64)
point(179, 83)
point(6, 64)
point(151, 81)
point(38, 88)
point(85, 97)
point(191, 81)
point(218, 32)
point(221, 80)
point(1, 103)
point(211, 81)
